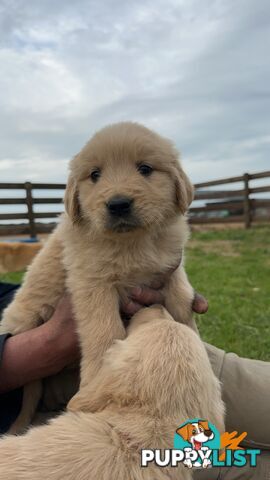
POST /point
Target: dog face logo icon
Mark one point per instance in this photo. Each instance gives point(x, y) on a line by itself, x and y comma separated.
point(199, 436)
point(196, 433)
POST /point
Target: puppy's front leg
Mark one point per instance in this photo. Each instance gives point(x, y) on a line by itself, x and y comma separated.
point(43, 285)
point(99, 323)
point(179, 295)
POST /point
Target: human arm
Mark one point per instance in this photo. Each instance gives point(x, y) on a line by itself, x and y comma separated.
point(40, 352)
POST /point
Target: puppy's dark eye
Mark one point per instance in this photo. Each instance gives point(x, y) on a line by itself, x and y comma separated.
point(95, 175)
point(145, 169)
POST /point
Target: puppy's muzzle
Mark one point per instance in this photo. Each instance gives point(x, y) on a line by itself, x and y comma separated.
point(119, 206)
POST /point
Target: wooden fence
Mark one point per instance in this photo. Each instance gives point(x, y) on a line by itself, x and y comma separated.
point(242, 205)
point(225, 206)
point(32, 224)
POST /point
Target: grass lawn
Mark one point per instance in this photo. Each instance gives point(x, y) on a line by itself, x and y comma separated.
point(15, 277)
point(232, 269)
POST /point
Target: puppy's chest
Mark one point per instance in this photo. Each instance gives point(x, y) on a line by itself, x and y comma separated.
point(126, 265)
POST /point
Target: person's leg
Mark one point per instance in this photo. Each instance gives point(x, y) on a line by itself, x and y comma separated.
point(246, 393)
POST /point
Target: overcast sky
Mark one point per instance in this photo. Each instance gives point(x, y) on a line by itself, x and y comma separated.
point(196, 71)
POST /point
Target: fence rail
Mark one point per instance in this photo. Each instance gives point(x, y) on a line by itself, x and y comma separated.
point(31, 226)
point(231, 206)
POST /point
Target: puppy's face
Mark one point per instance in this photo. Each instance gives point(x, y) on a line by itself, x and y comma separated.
point(127, 178)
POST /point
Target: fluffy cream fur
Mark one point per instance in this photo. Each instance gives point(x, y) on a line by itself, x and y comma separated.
point(148, 384)
point(99, 263)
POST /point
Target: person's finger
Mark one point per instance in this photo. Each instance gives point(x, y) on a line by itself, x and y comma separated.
point(131, 308)
point(200, 304)
point(146, 296)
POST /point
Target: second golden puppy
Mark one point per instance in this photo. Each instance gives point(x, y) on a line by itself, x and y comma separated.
point(157, 378)
point(125, 225)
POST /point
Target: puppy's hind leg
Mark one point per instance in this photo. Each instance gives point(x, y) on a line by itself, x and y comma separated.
point(31, 396)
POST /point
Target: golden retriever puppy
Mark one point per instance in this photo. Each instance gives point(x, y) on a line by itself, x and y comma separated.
point(148, 384)
point(125, 225)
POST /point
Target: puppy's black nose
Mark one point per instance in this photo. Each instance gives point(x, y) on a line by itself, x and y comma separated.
point(119, 206)
point(208, 433)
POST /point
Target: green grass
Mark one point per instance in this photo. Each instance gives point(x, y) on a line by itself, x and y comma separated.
point(232, 269)
point(15, 277)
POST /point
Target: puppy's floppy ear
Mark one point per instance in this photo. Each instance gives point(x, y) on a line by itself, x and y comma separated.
point(71, 199)
point(184, 189)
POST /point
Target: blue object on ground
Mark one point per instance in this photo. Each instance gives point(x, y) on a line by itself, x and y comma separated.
point(22, 240)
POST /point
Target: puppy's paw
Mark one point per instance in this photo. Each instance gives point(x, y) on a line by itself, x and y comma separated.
point(81, 402)
point(88, 400)
point(77, 403)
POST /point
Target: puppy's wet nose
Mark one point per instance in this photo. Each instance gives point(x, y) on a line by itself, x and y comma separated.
point(208, 433)
point(119, 206)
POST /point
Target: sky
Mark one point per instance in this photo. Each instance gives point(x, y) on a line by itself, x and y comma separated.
point(196, 71)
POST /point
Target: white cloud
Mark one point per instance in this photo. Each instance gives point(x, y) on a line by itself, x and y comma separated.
point(195, 71)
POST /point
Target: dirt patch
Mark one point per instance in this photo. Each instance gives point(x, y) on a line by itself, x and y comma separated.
point(216, 227)
point(226, 248)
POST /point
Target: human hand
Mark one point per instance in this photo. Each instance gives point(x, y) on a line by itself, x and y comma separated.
point(145, 296)
point(40, 352)
point(61, 332)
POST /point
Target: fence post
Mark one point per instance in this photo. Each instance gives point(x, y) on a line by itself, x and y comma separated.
point(247, 209)
point(29, 203)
